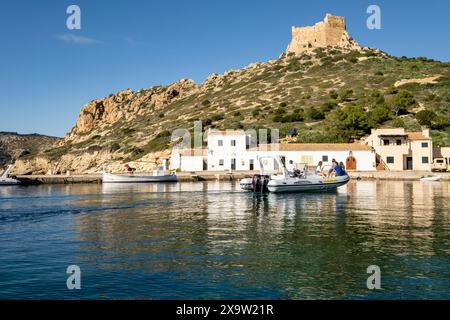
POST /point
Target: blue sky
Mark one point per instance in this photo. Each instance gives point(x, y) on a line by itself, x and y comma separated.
point(47, 72)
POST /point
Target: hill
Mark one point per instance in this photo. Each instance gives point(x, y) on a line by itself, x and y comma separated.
point(329, 91)
point(13, 145)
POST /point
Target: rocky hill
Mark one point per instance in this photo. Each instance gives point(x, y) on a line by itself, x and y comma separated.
point(325, 85)
point(14, 145)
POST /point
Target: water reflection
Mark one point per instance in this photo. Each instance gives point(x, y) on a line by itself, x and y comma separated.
point(211, 240)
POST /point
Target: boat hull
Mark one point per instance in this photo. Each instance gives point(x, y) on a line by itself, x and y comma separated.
point(116, 178)
point(9, 182)
point(307, 185)
point(430, 179)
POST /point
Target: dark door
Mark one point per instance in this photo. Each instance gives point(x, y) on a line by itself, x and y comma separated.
point(233, 164)
point(409, 163)
point(252, 165)
point(205, 164)
point(351, 163)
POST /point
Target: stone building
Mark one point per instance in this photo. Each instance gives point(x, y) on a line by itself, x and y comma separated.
point(329, 32)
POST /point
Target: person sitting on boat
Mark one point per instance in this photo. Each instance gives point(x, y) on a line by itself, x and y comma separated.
point(319, 169)
point(130, 169)
point(341, 164)
point(337, 171)
point(330, 172)
point(291, 169)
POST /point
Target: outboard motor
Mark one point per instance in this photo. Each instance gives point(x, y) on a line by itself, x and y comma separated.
point(260, 183)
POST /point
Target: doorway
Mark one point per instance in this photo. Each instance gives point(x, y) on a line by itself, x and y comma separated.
point(409, 163)
point(350, 163)
point(233, 164)
point(252, 164)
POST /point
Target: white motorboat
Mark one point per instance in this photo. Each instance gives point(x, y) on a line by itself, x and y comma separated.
point(5, 180)
point(284, 182)
point(430, 178)
point(158, 176)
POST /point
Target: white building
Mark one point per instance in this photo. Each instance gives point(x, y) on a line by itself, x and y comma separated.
point(231, 150)
point(189, 160)
point(356, 157)
point(228, 150)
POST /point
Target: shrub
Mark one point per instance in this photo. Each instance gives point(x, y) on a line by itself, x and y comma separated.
point(217, 117)
point(114, 146)
point(401, 101)
point(206, 103)
point(334, 95)
point(314, 114)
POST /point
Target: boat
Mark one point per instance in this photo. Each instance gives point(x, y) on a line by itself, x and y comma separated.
point(430, 178)
point(158, 176)
point(284, 182)
point(6, 180)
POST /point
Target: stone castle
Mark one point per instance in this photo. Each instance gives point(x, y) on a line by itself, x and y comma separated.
point(329, 32)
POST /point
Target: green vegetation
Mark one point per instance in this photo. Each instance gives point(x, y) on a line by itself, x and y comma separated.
point(328, 95)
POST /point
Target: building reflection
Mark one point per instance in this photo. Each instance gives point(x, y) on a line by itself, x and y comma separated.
point(310, 236)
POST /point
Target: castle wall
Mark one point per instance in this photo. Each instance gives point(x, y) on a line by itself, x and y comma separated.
point(330, 32)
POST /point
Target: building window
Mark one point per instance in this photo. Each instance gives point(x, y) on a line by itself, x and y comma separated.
point(425, 160)
point(220, 143)
point(389, 159)
point(324, 158)
point(424, 144)
point(221, 162)
point(385, 142)
point(233, 143)
point(399, 142)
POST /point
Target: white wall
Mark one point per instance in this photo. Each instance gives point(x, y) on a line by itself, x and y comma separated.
point(365, 160)
point(227, 152)
point(191, 163)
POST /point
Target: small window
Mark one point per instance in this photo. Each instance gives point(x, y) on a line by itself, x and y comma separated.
point(399, 142)
point(220, 143)
point(424, 144)
point(324, 158)
point(233, 143)
point(221, 162)
point(389, 159)
point(425, 160)
point(385, 142)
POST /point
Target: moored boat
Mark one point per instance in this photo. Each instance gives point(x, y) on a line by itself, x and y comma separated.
point(430, 178)
point(6, 180)
point(285, 182)
point(134, 178)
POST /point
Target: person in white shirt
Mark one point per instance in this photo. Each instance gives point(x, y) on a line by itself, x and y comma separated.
point(291, 168)
point(319, 169)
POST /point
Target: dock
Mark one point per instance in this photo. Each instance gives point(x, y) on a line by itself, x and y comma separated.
point(230, 176)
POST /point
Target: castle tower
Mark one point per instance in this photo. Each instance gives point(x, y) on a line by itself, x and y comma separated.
point(329, 32)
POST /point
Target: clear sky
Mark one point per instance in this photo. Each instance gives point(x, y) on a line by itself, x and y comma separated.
point(47, 72)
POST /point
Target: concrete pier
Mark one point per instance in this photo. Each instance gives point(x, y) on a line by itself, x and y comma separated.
point(233, 176)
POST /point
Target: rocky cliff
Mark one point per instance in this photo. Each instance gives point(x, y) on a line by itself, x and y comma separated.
point(14, 145)
point(332, 90)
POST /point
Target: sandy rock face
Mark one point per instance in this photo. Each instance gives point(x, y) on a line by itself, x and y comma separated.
point(87, 162)
point(127, 105)
point(329, 32)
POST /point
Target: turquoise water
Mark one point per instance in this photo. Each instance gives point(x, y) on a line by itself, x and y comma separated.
point(212, 241)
